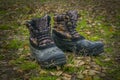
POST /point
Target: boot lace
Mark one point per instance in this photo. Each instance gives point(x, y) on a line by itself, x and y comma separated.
point(71, 25)
point(44, 37)
point(41, 34)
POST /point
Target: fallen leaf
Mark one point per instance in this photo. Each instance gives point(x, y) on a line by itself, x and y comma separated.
point(43, 72)
point(107, 59)
point(58, 79)
point(92, 72)
point(66, 75)
point(88, 32)
point(58, 73)
point(26, 46)
point(85, 72)
point(80, 76)
point(52, 73)
point(79, 63)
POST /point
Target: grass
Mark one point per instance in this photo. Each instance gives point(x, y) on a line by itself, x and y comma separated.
point(28, 66)
point(14, 44)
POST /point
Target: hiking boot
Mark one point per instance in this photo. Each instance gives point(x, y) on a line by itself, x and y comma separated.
point(42, 45)
point(68, 39)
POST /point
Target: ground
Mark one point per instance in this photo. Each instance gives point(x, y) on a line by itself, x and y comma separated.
point(99, 20)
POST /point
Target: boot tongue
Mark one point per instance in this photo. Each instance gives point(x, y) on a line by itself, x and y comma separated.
point(43, 24)
point(72, 20)
point(73, 15)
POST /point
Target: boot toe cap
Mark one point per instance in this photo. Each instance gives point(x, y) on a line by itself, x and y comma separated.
point(87, 47)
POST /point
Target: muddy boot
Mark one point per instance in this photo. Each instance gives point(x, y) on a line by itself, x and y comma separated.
point(42, 46)
point(67, 38)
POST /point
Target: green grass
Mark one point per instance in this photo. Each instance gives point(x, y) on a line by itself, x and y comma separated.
point(28, 66)
point(115, 73)
point(5, 27)
point(15, 44)
point(70, 69)
point(24, 64)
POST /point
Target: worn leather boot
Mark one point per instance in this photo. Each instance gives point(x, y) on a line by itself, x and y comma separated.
point(68, 39)
point(42, 46)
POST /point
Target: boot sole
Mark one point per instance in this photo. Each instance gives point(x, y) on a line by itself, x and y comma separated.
point(98, 51)
point(53, 61)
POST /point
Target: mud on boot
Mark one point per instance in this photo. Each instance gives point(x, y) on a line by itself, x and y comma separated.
point(67, 38)
point(42, 46)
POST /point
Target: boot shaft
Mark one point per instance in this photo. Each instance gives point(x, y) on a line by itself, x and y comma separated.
point(39, 26)
point(65, 24)
point(40, 32)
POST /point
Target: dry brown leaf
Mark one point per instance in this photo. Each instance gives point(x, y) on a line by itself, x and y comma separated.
point(80, 76)
point(66, 75)
point(92, 72)
point(88, 32)
point(79, 63)
point(43, 72)
point(107, 59)
point(26, 47)
point(52, 73)
point(58, 73)
point(19, 70)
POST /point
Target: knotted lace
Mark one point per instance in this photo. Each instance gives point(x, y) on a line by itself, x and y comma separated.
point(71, 25)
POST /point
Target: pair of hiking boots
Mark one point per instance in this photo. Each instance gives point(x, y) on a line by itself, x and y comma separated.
point(47, 47)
